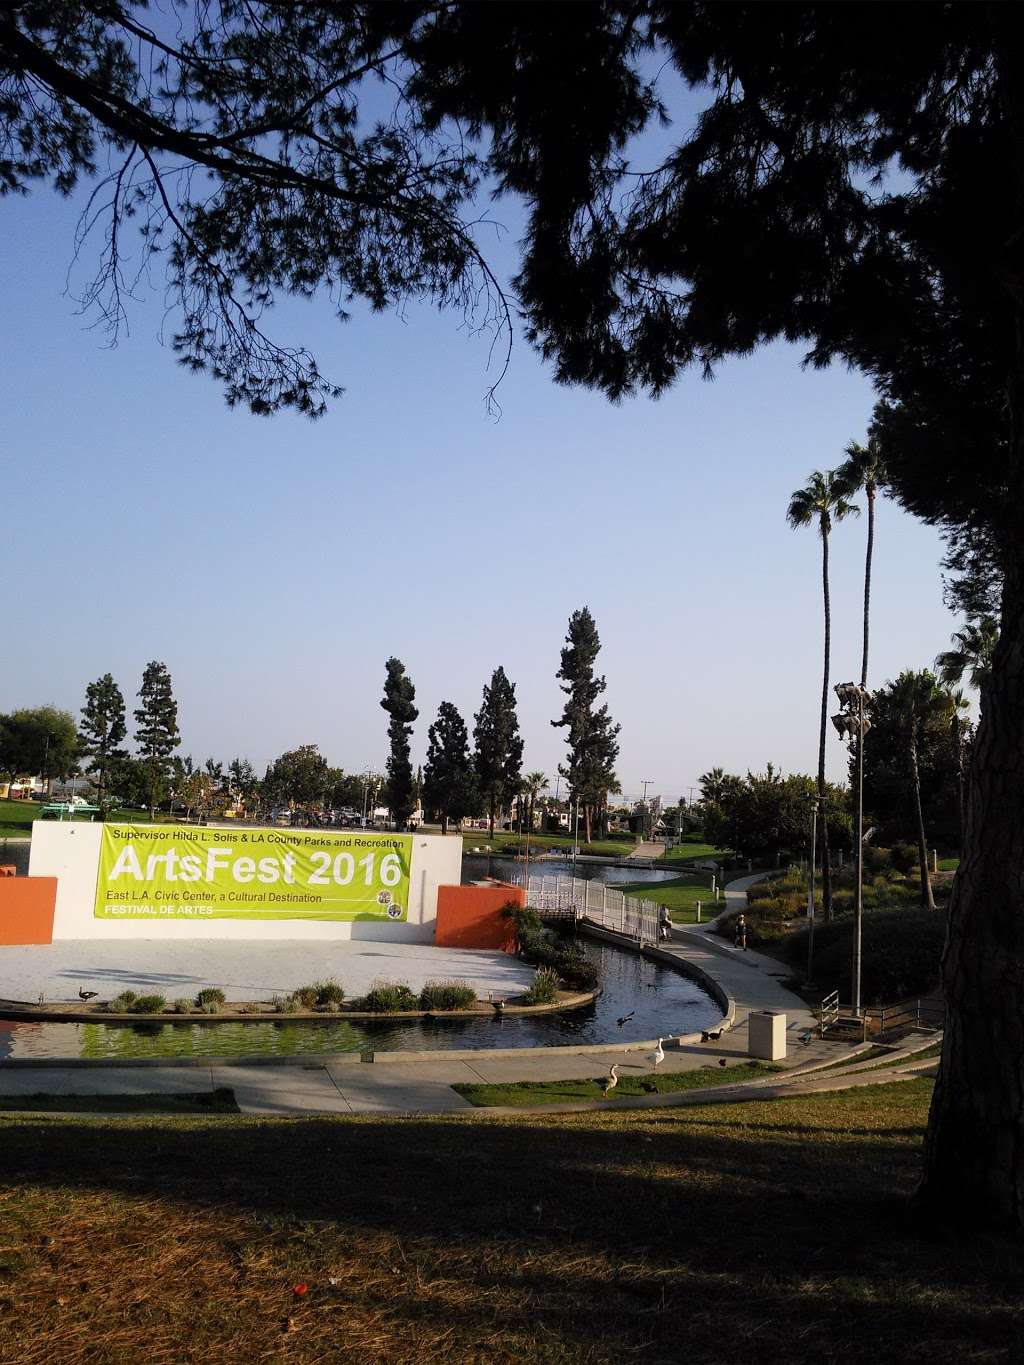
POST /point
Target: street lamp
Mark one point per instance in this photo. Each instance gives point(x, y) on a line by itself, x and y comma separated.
point(853, 725)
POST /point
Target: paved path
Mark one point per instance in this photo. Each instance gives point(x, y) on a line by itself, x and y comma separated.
point(652, 848)
point(343, 1085)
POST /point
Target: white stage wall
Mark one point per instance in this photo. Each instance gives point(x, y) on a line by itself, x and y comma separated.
point(70, 851)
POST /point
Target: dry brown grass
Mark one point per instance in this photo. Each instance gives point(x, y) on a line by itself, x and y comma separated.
point(756, 1232)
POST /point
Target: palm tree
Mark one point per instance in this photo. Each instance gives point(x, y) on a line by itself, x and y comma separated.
point(975, 646)
point(960, 742)
point(533, 785)
point(864, 469)
point(918, 698)
point(821, 502)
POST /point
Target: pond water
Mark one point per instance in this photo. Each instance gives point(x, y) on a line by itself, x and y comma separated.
point(664, 1003)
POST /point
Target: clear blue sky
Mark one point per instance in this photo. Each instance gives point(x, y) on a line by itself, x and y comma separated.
point(275, 564)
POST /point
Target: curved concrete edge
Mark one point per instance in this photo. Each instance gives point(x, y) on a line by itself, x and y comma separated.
point(11, 1010)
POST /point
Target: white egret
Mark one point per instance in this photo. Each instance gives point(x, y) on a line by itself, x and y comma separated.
point(611, 1082)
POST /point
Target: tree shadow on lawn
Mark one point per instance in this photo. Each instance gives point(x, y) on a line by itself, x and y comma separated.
point(683, 1234)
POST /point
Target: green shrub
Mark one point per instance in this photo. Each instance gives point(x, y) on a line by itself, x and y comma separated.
point(543, 989)
point(149, 1004)
point(905, 858)
point(577, 972)
point(900, 954)
point(306, 996)
point(329, 993)
point(210, 1007)
point(287, 1006)
point(122, 1004)
point(447, 995)
point(182, 1005)
point(330, 1007)
point(385, 997)
point(209, 993)
point(877, 860)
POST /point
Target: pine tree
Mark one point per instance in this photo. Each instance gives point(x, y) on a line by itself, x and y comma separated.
point(449, 786)
point(591, 734)
point(101, 731)
point(498, 752)
point(156, 731)
point(399, 695)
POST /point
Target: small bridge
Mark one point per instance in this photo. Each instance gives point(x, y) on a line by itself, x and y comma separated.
point(572, 898)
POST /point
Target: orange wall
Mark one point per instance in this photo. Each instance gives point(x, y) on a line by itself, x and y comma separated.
point(26, 909)
point(470, 916)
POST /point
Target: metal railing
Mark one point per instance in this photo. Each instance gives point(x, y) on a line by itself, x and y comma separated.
point(563, 897)
point(828, 1012)
point(918, 1014)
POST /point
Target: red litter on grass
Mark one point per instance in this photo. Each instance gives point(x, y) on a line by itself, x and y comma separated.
point(299, 1290)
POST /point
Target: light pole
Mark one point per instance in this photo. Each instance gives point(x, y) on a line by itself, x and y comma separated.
point(854, 725)
point(576, 836)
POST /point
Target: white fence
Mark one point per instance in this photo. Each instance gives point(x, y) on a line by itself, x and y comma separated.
point(594, 901)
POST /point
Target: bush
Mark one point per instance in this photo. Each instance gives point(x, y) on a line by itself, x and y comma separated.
point(305, 997)
point(905, 858)
point(385, 997)
point(900, 954)
point(330, 1007)
point(577, 972)
point(121, 1004)
point(447, 995)
point(288, 1006)
point(329, 993)
point(182, 1005)
point(543, 990)
point(149, 1004)
point(209, 993)
point(877, 860)
point(209, 1007)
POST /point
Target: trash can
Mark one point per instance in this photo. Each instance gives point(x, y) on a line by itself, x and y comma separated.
point(766, 1035)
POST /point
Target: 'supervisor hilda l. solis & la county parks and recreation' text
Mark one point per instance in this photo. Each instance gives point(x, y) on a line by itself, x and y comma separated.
point(177, 872)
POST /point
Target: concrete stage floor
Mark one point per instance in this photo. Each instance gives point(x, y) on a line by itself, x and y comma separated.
point(244, 971)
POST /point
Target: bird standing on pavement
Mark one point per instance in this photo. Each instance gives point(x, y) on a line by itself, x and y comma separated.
point(708, 1037)
point(611, 1082)
point(659, 1055)
point(87, 995)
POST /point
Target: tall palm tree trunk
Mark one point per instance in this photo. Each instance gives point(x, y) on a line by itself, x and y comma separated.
point(870, 491)
point(927, 899)
point(826, 870)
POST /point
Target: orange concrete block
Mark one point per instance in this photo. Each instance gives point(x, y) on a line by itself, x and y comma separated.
point(26, 909)
point(470, 916)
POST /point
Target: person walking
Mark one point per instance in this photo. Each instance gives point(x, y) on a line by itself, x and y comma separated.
point(665, 924)
point(739, 938)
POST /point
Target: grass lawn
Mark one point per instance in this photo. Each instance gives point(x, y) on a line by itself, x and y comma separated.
point(948, 864)
point(687, 852)
point(526, 1093)
point(16, 817)
point(681, 895)
point(766, 1231)
point(545, 843)
point(216, 1101)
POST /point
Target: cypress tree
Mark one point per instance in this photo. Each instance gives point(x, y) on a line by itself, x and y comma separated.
point(498, 755)
point(449, 786)
point(156, 731)
point(591, 733)
point(399, 695)
point(101, 731)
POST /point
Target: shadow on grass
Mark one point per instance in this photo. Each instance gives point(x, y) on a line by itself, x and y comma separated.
point(705, 1235)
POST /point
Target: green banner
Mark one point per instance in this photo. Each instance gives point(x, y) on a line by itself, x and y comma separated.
point(181, 872)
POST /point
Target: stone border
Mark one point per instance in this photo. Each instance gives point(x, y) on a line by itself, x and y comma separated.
point(21, 1013)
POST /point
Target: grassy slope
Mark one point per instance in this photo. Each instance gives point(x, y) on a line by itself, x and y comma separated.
point(681, 895)
point(544, 843)
point(205, 1102)
point(691, 852)
point(753, 1232)
point(528, 1093)
point(16, 817)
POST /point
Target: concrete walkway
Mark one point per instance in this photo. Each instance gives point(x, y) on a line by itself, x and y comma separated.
point(344, 1085)
point(652, 848)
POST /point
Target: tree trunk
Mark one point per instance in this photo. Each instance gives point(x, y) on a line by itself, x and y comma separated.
point(974, 1146)
point(927, 899)
point(587, 812)
point(826, 869)
point(444, 822)
point(491, 813)
point(869, 489)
